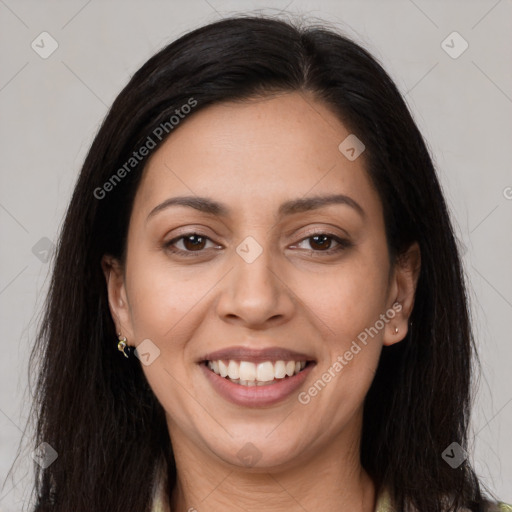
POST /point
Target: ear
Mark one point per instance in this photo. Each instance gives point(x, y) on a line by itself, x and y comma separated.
point(403, 291)
point(117, 297)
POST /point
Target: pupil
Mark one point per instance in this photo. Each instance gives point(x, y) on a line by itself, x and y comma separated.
point(195, 244)
point(324, 237)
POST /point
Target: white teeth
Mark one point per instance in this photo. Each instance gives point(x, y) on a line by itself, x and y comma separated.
point(265, 372)
point(247, 370)
point(223, 369)
point(247, 373)
point(233, 370)
point(279, 369)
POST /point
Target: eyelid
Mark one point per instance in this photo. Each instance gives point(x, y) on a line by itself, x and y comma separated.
point(320, 227)
point(322, 230)
point(193, 229)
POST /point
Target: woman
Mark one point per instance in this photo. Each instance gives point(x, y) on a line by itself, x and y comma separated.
point(257, 301)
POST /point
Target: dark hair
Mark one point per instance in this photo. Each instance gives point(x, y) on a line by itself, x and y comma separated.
point(96, 409)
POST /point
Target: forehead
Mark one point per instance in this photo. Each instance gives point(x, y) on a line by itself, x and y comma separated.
point(255, 153)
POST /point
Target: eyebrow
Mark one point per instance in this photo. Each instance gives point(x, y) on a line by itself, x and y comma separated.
point(209, 206)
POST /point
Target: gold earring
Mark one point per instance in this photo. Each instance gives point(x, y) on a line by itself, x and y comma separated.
point(121, 346)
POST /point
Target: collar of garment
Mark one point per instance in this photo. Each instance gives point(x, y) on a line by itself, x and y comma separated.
point(383, 502)
point(160, 503)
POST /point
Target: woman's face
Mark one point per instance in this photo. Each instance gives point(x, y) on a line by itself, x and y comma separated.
point(259, 265)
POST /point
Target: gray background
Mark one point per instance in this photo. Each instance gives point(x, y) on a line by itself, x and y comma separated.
point(51, 108)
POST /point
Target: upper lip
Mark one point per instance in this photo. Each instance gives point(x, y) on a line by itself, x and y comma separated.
point(241, 353)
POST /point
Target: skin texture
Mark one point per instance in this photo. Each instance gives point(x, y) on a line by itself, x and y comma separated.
point(252, 156)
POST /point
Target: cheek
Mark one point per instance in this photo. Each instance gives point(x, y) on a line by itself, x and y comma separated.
point(160, 296)
point(348, 299)
point(349, 302)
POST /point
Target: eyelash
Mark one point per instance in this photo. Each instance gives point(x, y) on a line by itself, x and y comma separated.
point(342, 244)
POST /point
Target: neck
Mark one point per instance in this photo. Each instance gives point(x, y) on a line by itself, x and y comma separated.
point(328, 478)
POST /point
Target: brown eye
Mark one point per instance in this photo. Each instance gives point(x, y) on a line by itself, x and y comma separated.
point(192, 244)
point(320, 242)
point(323, 243)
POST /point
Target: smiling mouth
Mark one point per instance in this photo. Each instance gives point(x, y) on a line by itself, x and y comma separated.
point(247, 373)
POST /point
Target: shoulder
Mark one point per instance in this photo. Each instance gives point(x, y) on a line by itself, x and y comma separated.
point(499, 506)
point(159, 503)
point(492, 506)
point(384, 503)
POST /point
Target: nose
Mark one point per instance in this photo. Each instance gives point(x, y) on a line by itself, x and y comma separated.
point(255, 293)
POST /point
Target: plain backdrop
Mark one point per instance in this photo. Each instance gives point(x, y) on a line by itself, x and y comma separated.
point(52, 107)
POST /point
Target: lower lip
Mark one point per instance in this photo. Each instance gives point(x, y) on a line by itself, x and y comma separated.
point(256, 396)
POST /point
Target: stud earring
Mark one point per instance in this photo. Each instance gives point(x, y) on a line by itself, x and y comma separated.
point(398, 304)
point(121, 346)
